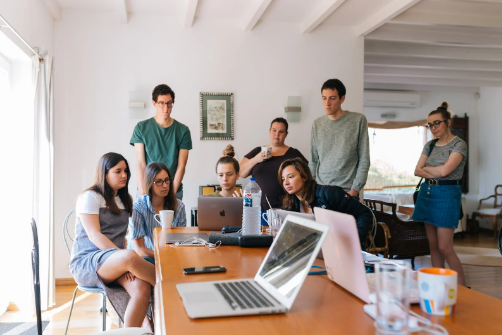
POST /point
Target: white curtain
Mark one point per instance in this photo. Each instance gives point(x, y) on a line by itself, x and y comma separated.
point(43, 172)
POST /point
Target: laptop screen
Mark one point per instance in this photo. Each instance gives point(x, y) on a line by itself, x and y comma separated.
point(288, 261)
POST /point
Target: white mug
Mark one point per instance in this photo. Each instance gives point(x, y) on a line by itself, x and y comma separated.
point(267, 151)
point(437, 290)
point(273, 220)
point(165, 218)
point(268, 216)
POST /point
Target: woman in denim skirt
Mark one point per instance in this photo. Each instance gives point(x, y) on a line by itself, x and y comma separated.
point(439, 199)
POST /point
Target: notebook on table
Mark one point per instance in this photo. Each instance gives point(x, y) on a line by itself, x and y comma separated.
point(274, 287)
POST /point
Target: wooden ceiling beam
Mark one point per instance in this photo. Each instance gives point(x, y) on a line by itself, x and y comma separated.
point(53, 8)
point(384, 15)
point(433, 63)
point(255, 14)
point(191, 8)
point(325, 9)
point(121, 7)
point(431, 51)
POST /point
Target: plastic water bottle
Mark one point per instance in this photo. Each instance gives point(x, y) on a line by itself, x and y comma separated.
point(251, 212)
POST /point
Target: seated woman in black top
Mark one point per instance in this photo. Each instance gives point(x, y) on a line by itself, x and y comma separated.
point(303, 194)
point(264, 168)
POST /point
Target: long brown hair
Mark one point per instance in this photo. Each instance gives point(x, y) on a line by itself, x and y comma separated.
point(288, 201)
point(228, 158)
point(101, 186)
point(151, 171)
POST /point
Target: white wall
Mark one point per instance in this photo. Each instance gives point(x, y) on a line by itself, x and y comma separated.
point(99, 61)
point(31, 20)
point(490, 142)
point(460, 103)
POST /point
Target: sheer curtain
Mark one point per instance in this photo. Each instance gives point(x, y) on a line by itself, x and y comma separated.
point(43, 172)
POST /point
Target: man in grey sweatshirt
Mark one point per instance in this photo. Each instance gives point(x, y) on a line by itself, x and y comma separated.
point(339, 147)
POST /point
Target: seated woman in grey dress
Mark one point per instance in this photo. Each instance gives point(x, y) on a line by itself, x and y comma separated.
point(98, 256)
point(227, 170)
point(160, 196)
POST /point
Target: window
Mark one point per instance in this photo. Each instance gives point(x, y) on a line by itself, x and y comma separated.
point(394, 155)
point(16, 174)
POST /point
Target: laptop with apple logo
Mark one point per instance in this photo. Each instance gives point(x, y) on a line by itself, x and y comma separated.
point(216, 212)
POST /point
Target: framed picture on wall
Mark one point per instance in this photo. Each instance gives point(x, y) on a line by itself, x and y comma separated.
point(216, 116)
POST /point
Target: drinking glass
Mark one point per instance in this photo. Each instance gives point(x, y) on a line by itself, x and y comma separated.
point(392, 280)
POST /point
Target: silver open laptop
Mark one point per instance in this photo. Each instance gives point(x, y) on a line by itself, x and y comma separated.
point(276, 284)
point(283, 214)
point(343, 258)
point(214, 212)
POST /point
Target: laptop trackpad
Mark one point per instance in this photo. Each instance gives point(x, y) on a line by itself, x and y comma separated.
point(201, 296)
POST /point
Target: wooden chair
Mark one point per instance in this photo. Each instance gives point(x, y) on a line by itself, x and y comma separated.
point(396, 238)
point(35, 266)
point(495, 212)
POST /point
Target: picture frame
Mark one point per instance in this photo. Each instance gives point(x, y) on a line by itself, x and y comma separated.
point(216, 116)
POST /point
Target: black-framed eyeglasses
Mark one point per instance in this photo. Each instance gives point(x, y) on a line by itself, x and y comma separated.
point(168, 104)
point(159, 183)
point(434, 124)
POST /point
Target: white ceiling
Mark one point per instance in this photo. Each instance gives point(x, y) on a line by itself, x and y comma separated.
point(409, 44)
point(440, 44)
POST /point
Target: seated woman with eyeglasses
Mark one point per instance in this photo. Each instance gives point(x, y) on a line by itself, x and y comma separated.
point(227, 169)
point(160, 196)
point(303, 194)
point(98, 257)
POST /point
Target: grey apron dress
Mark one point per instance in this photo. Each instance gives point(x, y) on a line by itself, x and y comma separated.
point(86, 258)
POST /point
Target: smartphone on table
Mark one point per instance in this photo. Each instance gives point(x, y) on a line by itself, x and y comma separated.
point(204, 269)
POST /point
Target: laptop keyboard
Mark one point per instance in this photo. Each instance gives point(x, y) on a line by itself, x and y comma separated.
point(242, 295)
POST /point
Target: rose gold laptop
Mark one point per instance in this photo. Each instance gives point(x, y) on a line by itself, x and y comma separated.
point(343, 258)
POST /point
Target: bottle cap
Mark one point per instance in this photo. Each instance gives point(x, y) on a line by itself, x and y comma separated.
point(252, 179)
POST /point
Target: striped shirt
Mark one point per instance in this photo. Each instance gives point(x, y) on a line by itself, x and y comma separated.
point(142, 222)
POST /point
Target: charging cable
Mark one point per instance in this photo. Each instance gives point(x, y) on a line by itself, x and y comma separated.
point(322, 272)
point(429, 327)
point(416, 323)
point(197, 241)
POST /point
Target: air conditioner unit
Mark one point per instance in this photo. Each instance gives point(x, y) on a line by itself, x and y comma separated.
point(391, 99)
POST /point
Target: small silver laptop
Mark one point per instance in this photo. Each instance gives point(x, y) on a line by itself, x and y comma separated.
point(214, 212)
point(276, 284)
point(283, 213)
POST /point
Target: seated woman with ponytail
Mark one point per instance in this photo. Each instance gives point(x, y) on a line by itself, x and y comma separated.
point(227, 169)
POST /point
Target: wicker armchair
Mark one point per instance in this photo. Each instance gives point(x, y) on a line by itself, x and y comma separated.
point(396, 238)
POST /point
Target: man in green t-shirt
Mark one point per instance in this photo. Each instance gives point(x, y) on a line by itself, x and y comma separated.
point(162, 139)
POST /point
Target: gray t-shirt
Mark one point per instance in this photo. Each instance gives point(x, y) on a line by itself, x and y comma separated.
point(441, 153)
point(340, 151)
